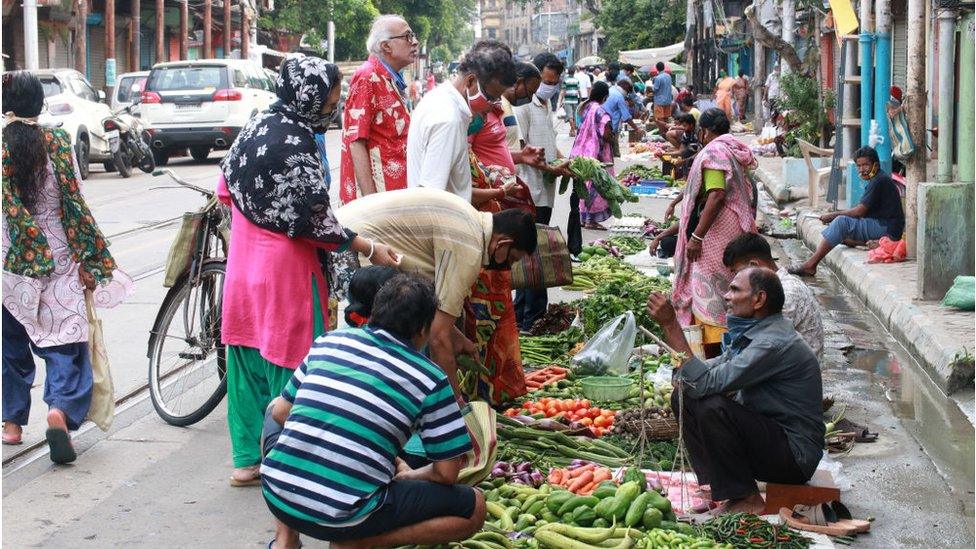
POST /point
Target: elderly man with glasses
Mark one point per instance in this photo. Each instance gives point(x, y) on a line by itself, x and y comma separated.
point(375, 119)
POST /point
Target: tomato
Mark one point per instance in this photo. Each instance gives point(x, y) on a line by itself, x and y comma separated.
point(551, 411)
point(586, 421)
point(598, 431)
point(526, 405)
point(600, 422)
point(585, 403)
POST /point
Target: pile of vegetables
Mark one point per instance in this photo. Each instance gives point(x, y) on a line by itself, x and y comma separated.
point(580, 478)
point(597, 270)
point(547, 349)
point(616, 246)
point(588, 169)
point(517, 473)
point(746, 530)
point(554, 448)
point(549, 375)
point(637, 172)
point(576, 411)
point(618, 294)
point(557, 318)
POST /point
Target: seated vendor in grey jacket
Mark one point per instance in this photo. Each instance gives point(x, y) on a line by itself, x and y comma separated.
point(772, 428)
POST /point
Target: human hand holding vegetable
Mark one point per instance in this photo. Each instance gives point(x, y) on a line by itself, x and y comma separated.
point(661, 309)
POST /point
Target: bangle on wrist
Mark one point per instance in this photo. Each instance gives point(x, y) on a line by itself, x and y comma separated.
point(698, 238)
point(372, 248)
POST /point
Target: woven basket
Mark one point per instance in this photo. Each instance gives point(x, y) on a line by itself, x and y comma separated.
point(657, 429)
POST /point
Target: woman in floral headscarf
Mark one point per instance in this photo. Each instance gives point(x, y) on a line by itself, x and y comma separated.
point(53, 253)
point(275, 293)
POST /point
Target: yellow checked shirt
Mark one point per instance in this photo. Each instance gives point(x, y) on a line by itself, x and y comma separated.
point(440, 235)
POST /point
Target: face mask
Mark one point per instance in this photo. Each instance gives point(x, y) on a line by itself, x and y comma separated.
point(494, 265)
point(737, 326)
point(476, 124)
point(546, 91)
point(871, 174)
point(479, 103)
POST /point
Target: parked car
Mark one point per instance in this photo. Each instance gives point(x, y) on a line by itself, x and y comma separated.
point(202, 104)
point(128, 90)
point(73, 103)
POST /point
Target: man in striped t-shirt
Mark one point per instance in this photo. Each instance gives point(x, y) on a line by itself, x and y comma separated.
point(333, 472)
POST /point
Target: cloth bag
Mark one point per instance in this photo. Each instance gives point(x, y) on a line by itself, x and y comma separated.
point(102, 409)
point(181, 250)
point(549, 266)
point(482, 426)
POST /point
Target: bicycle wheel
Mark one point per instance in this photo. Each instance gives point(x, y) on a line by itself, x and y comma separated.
point(186, 358)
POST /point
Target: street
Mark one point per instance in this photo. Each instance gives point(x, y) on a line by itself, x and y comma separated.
point(148, 484)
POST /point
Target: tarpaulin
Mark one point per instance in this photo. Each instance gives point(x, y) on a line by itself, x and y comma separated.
point(651, 56)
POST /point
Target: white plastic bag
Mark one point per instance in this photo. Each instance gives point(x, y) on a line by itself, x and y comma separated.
point(608, 350)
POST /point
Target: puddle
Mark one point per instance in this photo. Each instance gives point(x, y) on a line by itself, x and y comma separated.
point(933, 419)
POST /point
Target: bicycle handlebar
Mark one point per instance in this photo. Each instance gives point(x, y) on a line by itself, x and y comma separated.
point(182, 182)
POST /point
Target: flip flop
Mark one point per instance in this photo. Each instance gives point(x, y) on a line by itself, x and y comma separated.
point(844, 518)
point(59, 443)
point(255, 480)
point(12, 439)
point(814, 518)
point(800, 272)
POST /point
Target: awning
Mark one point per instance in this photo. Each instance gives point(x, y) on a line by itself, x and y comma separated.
point(651, 56)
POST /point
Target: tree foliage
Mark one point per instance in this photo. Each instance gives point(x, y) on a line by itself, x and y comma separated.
point(436, 22)
point(807, 105)
point(636, 24)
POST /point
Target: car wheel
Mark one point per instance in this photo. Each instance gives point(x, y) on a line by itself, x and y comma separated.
point(161, 156)
point(199, 153)
point(82, 151)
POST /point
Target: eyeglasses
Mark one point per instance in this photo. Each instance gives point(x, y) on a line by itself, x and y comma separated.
point(409, 36)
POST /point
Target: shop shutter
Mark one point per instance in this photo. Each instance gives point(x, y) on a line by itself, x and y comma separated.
point(96, 56)
point(899, 53)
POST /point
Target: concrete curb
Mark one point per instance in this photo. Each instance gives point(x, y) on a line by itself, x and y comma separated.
point(774, 186)
point(934, 351)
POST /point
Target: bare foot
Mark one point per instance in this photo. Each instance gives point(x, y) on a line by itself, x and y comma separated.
point(802, 270)
point(12, 433)
point(753, 504)
point(850, 243)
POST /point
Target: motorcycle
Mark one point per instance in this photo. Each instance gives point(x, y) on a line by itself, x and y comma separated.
point(129, 142)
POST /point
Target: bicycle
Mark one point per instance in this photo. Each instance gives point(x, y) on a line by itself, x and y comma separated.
point(187, 361)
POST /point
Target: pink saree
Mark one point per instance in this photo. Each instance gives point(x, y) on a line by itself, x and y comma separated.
point(699, 286)
point(590, 143)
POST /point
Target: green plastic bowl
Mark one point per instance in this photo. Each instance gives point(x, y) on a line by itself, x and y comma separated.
point(663, 269)
point(606, 388)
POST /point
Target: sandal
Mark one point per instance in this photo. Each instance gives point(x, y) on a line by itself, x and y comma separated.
point(820, 519)
point(844, 517)
point(240, 480)
point(799, 271)
point(58, 439)
point(13, 439)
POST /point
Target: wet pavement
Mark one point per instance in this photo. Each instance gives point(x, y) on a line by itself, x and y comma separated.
point(917, 479)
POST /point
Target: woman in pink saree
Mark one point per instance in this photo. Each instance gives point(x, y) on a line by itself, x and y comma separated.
point(718, 206)
point(593, 141)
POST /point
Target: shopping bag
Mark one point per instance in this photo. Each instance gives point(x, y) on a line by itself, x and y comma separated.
point(102, 409)
point(608, 350)
point(482, 424)
point(549, 266)
point(181, 250)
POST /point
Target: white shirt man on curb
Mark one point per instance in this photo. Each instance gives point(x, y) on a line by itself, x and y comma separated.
point(437, 143)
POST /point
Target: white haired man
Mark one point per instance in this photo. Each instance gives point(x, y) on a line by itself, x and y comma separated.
point(375, 118)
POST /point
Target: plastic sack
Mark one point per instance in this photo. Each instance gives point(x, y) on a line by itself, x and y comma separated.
point(962, 294)
point(608, 350)
point(888, 251)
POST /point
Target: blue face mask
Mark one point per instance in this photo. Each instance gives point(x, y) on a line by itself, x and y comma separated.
point(737, 326)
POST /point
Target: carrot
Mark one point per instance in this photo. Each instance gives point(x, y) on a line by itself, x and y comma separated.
point(588, 489)
point(557, 370)
point(533, 383)
point(578, 472)
point(601, 475)
point(556, 476)
point(580, 482)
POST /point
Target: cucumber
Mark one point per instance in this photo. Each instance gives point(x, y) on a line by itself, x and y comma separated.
point(575, 502)
point(557, 499)
point(605, 491)
point(651, 519)
point(636, 511)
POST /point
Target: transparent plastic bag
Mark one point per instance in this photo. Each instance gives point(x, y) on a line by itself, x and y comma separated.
point(608, 350)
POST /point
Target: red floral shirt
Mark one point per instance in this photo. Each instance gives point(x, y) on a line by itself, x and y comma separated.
point(376, 111)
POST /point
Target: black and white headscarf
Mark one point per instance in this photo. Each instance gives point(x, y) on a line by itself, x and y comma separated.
point(273, 169)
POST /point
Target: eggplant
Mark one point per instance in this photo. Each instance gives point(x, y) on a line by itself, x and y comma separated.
point(537, 478)
point(524, 420)
point(524, 467)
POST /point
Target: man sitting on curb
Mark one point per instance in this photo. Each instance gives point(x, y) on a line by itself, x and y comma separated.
point(332, 472)
point(800, 307)
point(879, 214)
point(772, 429)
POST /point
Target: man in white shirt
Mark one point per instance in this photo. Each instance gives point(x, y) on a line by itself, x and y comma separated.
point(535, 123)
point(437, 143)
point(585, 83)
point(752, 250)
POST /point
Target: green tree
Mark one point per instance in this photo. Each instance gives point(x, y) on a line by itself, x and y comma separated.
point(636, 24)
point(310, 17)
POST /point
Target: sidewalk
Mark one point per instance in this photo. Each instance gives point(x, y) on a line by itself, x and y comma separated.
point(935, 336)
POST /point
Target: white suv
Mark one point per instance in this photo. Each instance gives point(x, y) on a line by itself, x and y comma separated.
point(73, 103)
point(202, 104)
